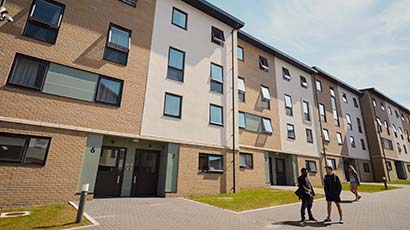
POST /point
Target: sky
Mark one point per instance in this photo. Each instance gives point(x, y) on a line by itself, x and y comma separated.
point(365, 43)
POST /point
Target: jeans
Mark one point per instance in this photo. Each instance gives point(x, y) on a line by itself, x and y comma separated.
point(306, 203)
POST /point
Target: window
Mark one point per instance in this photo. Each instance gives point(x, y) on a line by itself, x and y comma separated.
point(405, 149)
point(130, 2)
point(408, 168)
point(401, 133)
point(399, 148)
point(326, 136)
point(309, 136)
point(241, 89)
point(322, 112)
point(217, 36)
point(118, 44)
point(387, 144)
point(265, 97)
point(379, 125)
point(285, 74)
point(210, 163)
point(331, 162)
point(339, 138)
point(246, 160)
point(394, 130)
point(390, 111)
point(263, 64)
point(349, 122)
point(344, 98)
point(241, 120)
point(397, 114)
point(388, 166)
point(334, 106)
point(109, 91)
point(216, 115)
point(28, 72)
point(176, 64)
point(172, 105)
point(303, 82)
point(21, 149)
point(363, 144)
point(306, 110)
point(311, 166)
point(217, 77)
point(44, 20)
point(374, 103)
point(241, 54)
point(382, 106)
point(288, 105)
point(332, 92)
point(291, 131)
point(356, 105)
point(359, 125)
point(64, 81)
point(352, 142)
point(179, 18)
point(318, 85)
point(366, 167)
point(386, 125)
point(407, 135)
point(266, 125)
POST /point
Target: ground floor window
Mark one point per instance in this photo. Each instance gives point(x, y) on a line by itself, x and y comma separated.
point(388, 165)
point(366, 167)
point(210, 163)
point(246, 160)
point(311, 166)
point(331, 163)
point(408, 168)
point(21, 149)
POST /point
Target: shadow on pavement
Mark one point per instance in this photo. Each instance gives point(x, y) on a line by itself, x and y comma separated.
point(300, 224)
point(347, 201)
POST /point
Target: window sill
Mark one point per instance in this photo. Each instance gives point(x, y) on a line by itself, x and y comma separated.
point(245, 167)
point(210, 172)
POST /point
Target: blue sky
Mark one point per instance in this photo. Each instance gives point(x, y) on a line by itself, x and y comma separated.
point(366, 43)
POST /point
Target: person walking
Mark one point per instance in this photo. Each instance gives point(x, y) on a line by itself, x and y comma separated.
point(333, 188)
point(306, 195)
point(354, 182)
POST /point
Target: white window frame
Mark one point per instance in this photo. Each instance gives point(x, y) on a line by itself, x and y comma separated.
point(339, 138)
point(326, 135)
point(241, 85)
point(266, 125)
point(265, 93)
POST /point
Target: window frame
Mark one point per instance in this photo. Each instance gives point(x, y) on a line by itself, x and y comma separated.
point(262, 61)
point(359, 125)
point(309, 119)
point(251, 161)
point(180, 105)
point(108, 44)
point(324, 132)
point(244, 120)
point(215, 40)
point(366, 167)
point(241, 92)
point(288, 110)
point(25, 148)
point(344, 98)
point(183, 64)
point(362, 143)
point(309, 132)
point(210, 115)
point(285, 76)
point(222, 83)
point(355, 103)
point(318, 82)
point(333, 162)
point(44, 24)
point(211, 171)
point(308, 168)
point(339, 138)
point(243, 53)
point(129, 3)
point(100, 77)
point(389, 166)
point(323, 116)
point(264, 99)
point(264, 130)
point(303, 82)
point(349, 121)
point(352, 142)
point(182, 12)
point(291, 137)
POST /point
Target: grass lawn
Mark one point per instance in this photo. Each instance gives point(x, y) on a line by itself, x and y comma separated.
point(405, 182)
point(44, 217)
point(248, 199)
point(365, 188)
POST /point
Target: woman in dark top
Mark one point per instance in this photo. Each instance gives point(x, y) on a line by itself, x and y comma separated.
point(333, 188)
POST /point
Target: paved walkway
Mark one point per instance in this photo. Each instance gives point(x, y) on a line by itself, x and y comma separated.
point(384, 210)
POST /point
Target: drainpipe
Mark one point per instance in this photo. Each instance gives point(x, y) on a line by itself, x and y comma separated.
point(233, 112)
point(321, 127)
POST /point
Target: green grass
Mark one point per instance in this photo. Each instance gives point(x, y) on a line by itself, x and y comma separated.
point(405, 182)
point(44, 217)
point(248, 199)
point(365, 188)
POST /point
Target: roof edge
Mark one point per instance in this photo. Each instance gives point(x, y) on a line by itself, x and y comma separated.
point(336, 80)
point(380, 94)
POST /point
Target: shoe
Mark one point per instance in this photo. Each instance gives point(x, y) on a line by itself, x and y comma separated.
point(358, 198)
point(312, 219)
point(327, 220)
point(303, 220)
point(341, 221)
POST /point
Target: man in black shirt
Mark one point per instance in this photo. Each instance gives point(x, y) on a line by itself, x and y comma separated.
point(307, 194)
point(333, 188)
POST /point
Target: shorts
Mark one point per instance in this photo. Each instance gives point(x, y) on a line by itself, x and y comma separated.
point(333, 197)
point(354, 183)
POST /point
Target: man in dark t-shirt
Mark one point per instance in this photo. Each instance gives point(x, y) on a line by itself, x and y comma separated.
point(307, 195)
point(333, 188)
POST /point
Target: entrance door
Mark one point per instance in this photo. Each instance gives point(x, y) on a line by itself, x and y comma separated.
point(110, 172)
point(280, 171)
point(401, 174)
point(270, 171)
point(146, 171)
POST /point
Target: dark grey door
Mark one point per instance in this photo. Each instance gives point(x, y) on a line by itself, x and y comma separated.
point(280, 171)
point(110, 172)
point(146, 171)
point(270, 170)
point(401, 174)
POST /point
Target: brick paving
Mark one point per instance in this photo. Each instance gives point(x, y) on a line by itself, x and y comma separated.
point(384, 210)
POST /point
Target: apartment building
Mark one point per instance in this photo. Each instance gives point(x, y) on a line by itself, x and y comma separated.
point(387, 124)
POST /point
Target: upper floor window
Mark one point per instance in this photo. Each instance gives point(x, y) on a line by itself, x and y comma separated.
point(179, 18)
point(356, 105)
point(382, 106)
point(390, 111)
point(326, 135)
point(118, 44)
point(241, 89)
point(263, 63)
point(288, 105)
point(241, 54)
point(374, 103)
point(405, 149)
point(359, 125)
point(394, 130)
point(363, 144)
point(309, 136)
point(306, 110)
point(216, 115)
point(176, 64)
point(130, 2)
point(291, 131)
point(28, 72)
point(352, 142)
point(318, 85)
point(387, 144)
point(44, 20)
point(217, 78)
point(344, 98)
point(322, 112)
point(397, 114)
point(398, 147)
point(109, 91)
point(349, 122)
point(331, 162)
point(286, 74)
point(386, 125)
point(303, 82)
point(22, 149)
point(266, 125)
point(241, 120)
point(401, 133)
point(339, 138)
point(379, 125)
point(332, 92)
point(217, 36)
point(172, 105)
point(265, 97)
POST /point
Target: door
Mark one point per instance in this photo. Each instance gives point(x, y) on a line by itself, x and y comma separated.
point(146, 172)
point(270, 170)
point(280, 171)
point(401, 174)
point(110, 172)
